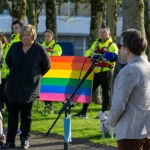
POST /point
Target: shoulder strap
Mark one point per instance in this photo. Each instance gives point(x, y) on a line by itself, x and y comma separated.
point(53, 45)
point(102, 50)
point(110, 44)
point(99, 40)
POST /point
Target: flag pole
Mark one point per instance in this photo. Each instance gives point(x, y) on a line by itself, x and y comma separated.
point(68, 104)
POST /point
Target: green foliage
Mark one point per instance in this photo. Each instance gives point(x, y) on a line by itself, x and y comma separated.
point(81, 128)
point(3, 5)
point(81, 1)
point(119, 2)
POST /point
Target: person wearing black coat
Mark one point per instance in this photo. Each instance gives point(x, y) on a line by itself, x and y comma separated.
point(28, 61)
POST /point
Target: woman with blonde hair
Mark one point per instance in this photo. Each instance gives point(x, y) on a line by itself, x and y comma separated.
point(28, 61)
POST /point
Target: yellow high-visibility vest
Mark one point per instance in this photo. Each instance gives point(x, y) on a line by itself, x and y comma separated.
point(109, 46)
point(52, 48)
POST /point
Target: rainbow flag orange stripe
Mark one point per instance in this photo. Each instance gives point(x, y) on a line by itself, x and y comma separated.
point(62, 79)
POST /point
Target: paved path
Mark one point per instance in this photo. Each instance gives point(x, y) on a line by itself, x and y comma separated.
point(38, 141)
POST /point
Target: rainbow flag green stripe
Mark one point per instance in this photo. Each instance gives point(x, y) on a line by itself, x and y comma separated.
point(64, 82)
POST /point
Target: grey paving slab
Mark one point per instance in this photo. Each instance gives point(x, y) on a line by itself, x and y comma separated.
point(38, 141)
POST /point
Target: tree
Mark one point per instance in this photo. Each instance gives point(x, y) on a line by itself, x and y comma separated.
point(96, 22)
point(51, 22)
point(33, 11)
point(111, 17)
point(5, 5)
point(18, 9)
point(30, 12)
point(96, 18)
point(133, 14)
point(147, 28)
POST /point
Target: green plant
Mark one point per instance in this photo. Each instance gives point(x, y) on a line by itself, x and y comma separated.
point(81, 128)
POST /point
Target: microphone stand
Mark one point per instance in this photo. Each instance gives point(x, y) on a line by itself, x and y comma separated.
point(68, 104)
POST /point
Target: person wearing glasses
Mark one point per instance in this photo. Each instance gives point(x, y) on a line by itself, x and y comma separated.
point(130, 102)
point(102, 71)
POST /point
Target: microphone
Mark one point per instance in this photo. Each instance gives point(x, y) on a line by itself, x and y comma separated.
point(108, 56)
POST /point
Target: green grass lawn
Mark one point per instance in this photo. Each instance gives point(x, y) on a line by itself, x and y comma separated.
point(81, 128)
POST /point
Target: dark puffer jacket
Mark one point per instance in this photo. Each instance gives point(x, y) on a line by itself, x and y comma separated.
point(26, 70)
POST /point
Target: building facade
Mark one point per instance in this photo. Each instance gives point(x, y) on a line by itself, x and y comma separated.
point(72, 26)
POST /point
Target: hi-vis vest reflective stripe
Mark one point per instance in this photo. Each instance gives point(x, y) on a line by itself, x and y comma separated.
point(99, 46)
point(52, 48)
point(4, 69)
point(15, 38)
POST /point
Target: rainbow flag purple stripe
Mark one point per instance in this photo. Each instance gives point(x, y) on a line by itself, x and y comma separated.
point(62, 79)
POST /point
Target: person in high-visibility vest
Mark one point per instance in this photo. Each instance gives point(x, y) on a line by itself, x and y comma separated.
point(2, 41)
point(4, 70)
point(103, 70)
point(53, 49)
point(16, 26)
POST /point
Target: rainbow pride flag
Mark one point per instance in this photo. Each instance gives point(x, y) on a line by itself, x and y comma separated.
point(64, 76)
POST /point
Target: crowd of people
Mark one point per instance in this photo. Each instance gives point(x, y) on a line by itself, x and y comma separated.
point(129, 97)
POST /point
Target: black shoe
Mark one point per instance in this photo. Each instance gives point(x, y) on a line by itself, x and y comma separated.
point(77, 115)
point(24, 144)
point(81, 115)
point(96, 117)
point(52, 110)
point(2, 140)
point(8, 145)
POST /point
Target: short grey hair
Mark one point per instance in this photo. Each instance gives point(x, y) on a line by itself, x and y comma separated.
point(29, 28)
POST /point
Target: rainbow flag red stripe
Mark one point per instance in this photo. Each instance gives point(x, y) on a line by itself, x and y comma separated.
point(62, 79)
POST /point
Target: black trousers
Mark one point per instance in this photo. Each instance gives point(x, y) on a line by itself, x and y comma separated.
point(102, 79)
point(25, 110)
point(48, 103)
point(3, 98)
